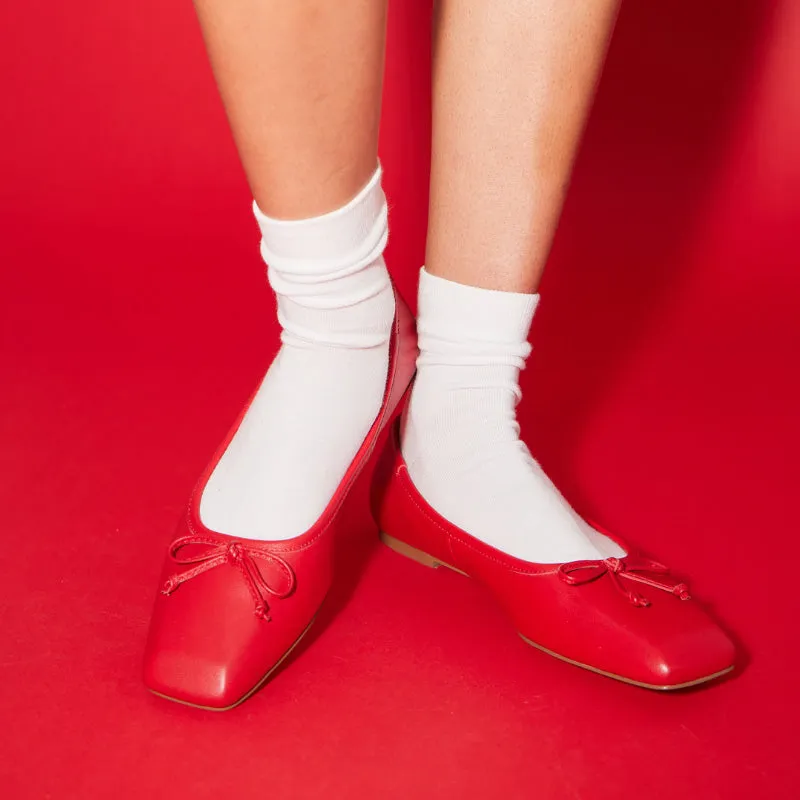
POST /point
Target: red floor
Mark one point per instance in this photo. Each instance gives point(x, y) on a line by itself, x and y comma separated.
point(663, 396)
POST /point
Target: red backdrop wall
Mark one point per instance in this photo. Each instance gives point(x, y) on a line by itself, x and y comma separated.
point(662, 395)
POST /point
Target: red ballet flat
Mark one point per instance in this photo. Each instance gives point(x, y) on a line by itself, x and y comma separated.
point(625, 618)
point(230, 610)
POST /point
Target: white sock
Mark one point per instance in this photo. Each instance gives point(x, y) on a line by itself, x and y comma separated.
point(461, 437)
point(324, 389)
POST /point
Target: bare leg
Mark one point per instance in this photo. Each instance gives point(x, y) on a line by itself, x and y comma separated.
point(512, 84)
point(301, 83)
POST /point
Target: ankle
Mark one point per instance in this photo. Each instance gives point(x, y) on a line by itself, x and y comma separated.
point(328, 273)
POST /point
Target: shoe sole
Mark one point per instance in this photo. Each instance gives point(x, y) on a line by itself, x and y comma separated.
point(426, 560)
point(252, 691)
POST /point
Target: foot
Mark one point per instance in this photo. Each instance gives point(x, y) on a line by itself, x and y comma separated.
point(231, 609)
point(461, 438)
point(626, 618)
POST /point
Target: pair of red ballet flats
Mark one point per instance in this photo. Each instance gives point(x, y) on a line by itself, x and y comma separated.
point(230, 610)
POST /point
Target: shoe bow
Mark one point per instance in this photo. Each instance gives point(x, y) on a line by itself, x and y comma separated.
point(237, 554)
point(621, 570)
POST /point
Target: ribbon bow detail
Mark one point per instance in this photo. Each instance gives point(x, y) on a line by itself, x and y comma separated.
point(620, 570)
point(237, 554)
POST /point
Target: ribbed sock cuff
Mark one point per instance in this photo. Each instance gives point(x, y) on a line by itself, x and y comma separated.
point(360, 226)
point(457, 312)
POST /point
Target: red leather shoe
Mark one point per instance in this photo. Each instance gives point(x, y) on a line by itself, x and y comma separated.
point(231, 610)
point(624, 618)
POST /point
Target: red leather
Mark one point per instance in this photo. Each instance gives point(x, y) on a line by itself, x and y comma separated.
point(626, 618)
point(230, 609)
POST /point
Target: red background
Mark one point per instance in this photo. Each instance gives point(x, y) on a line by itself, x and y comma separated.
point(662, 395)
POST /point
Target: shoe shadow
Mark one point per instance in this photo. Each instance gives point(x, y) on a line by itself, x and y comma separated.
point(656, 140)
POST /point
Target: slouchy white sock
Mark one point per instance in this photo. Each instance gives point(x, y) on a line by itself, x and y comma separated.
point(461, 437)
point(324, 389)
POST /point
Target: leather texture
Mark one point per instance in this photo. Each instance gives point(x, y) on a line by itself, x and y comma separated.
point(626, 618)
point(230, 609)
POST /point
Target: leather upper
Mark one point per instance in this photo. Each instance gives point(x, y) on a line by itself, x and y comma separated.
point(229, 609)
point(663, 639)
